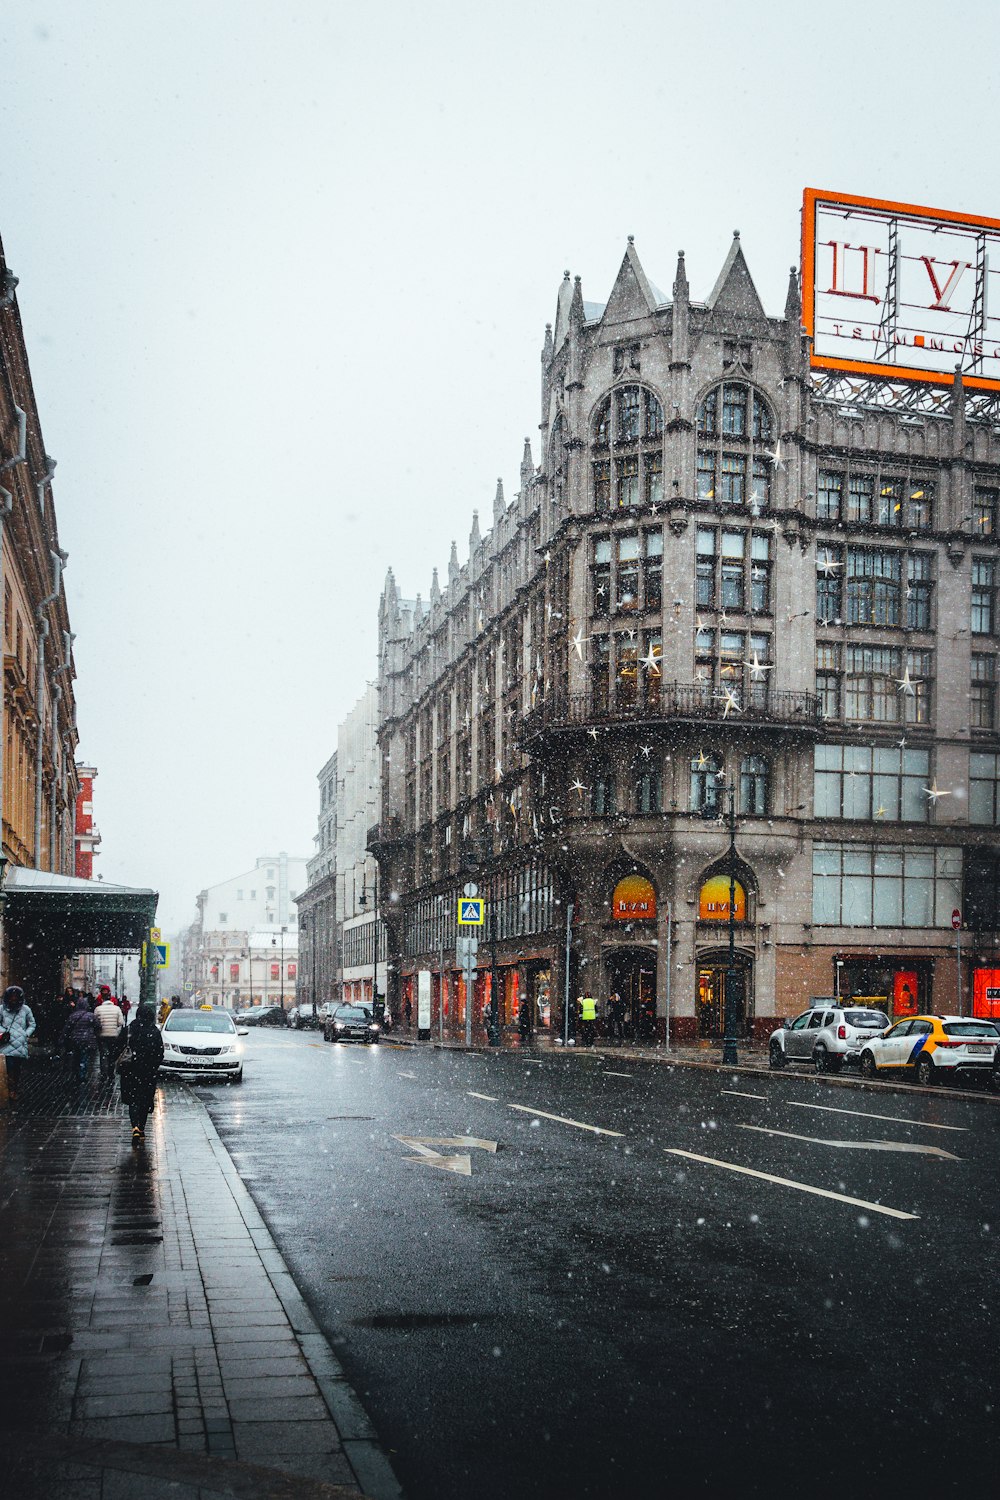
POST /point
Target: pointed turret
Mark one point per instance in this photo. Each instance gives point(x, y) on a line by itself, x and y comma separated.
point(632, 295)
point(681, 289)
point(793, 323)
point(680, 338)
point(793, 303)
point(563, 302)
point(474, 535)
point(418, 612)
point(527, 466)
point(499, 504)
point(734, 292)
point(435, 589)
point(547, 346)
point(453, 568)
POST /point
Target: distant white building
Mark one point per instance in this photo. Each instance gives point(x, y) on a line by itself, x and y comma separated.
point(260, 898)
point(358, 785)
point(243, 947)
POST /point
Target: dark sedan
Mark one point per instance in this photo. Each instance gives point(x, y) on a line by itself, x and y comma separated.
point(351, 1023)
point(262, 1015)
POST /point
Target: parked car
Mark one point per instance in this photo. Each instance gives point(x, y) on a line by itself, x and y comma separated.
point(301, 1018)
point(262, 1015)
point(326, 1010)
point(827, 1035)
point(933, 1048)
point(351, 1023)
point(204, 1043)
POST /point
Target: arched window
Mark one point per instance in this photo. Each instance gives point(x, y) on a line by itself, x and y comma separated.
point(735, 441)
point(603, 800)
point(627, 462)
point(647, 790)
point(705, 771)
point(755, 777)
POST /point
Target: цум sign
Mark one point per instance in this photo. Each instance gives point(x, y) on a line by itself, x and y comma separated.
point(904, 292)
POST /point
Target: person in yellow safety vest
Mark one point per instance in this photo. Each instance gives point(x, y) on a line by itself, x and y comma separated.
point(165, 1009)
point(588, 1018)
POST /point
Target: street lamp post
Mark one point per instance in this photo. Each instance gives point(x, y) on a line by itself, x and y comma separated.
point(284, 929)
point(733, 978)
point(486, 859)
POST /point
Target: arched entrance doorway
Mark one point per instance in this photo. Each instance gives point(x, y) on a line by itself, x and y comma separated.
point(632, 973)
point(712, 970)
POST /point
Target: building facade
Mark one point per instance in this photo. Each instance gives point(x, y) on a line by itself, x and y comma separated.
point(242, 949)
point(87, 835)
point(729, 582)
point(339, 910)
point(317, 904)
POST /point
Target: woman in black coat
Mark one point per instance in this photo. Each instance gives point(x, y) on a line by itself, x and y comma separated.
point(138, 1077)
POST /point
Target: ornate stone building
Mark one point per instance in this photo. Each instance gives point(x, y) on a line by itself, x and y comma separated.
point(726, 578)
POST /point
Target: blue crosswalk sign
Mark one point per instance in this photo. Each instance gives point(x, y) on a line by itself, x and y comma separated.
point(470, 911)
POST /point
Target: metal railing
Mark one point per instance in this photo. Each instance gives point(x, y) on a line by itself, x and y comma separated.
point(696, 702)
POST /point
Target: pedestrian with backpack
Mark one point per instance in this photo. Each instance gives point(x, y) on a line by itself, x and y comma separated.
point(138, 1068)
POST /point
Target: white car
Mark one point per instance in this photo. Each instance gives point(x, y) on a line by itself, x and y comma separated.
point(203, 1042)
point(932, 1047)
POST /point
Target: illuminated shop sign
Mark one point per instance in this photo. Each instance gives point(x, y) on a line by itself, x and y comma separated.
point(634, 900)
point(713, 905)
point(900, 291)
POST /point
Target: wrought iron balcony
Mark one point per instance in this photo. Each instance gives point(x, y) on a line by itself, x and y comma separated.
point(677, 703)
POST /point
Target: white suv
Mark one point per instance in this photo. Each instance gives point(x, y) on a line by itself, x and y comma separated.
point(827, 1035)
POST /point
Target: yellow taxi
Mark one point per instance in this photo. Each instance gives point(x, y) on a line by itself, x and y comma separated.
point(933, 1048)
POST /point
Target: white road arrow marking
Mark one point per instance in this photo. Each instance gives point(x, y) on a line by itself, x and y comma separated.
point(490, 1098)
point(406, 1075)
point(428, 1157)
point(814, 1140)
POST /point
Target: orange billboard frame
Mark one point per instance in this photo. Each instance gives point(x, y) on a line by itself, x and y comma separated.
point(811, 197)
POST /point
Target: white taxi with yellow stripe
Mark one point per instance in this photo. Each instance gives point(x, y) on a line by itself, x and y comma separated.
point(932, 1048)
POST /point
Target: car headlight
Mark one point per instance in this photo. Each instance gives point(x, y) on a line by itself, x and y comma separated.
point(169, 1047)
point(373, 1026)
point(338, 1025)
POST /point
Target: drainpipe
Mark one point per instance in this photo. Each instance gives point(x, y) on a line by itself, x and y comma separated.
point(42, 484)
point(6, 506)
point(57, 693)
point(58, 561)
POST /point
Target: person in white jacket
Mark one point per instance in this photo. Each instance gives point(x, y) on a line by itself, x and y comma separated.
point(110, 1021)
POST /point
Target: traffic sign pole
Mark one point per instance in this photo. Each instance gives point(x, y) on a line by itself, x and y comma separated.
point(956, 922)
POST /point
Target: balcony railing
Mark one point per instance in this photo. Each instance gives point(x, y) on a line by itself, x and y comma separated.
point(677, 703)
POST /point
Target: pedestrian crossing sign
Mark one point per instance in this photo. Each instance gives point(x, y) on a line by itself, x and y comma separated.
point(470, 911)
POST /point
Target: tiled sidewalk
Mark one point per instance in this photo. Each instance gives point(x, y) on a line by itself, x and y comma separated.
point(152, 1341)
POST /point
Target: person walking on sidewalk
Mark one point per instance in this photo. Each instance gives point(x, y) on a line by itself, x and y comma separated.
point(138, 1074)
point(110, 1022)
point(80, 1039)
point(16, 1025)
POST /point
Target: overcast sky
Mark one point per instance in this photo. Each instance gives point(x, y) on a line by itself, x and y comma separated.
point(285, 270)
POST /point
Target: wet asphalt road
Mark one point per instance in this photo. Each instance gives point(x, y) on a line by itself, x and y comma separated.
point(591, 1315)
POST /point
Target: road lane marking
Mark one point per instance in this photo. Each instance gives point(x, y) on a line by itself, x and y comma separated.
point(865, 1114)
point(801, 1187)
point(490, 1098)
point(562, 1120)
point(857, 1145)
point(427, 1156)
point(610, 1073)
point(405, 1075)
point(737, 1094)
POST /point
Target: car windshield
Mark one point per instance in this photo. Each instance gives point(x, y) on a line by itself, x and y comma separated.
point(969, 1028)
point(197, 1020)
point(353, 1013)
point(866, 1018)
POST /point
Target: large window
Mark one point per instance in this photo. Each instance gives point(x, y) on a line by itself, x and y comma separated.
point(735, 435)
point(755, 786)
point(733, 571)
point(885, 685)
point(627, 464)
point(984, 784)
point(983, 619)
point(705, 772)
point(881, 783)
point(626, 573)
point(869, 499)
point(863, 586)
point(982, 692)
point(985, 510)
point(876, 885)
point(736, 661)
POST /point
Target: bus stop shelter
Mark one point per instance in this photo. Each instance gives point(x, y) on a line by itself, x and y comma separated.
point(50, 918)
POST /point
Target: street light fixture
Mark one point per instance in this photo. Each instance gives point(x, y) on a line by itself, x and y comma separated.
point(734, 978)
